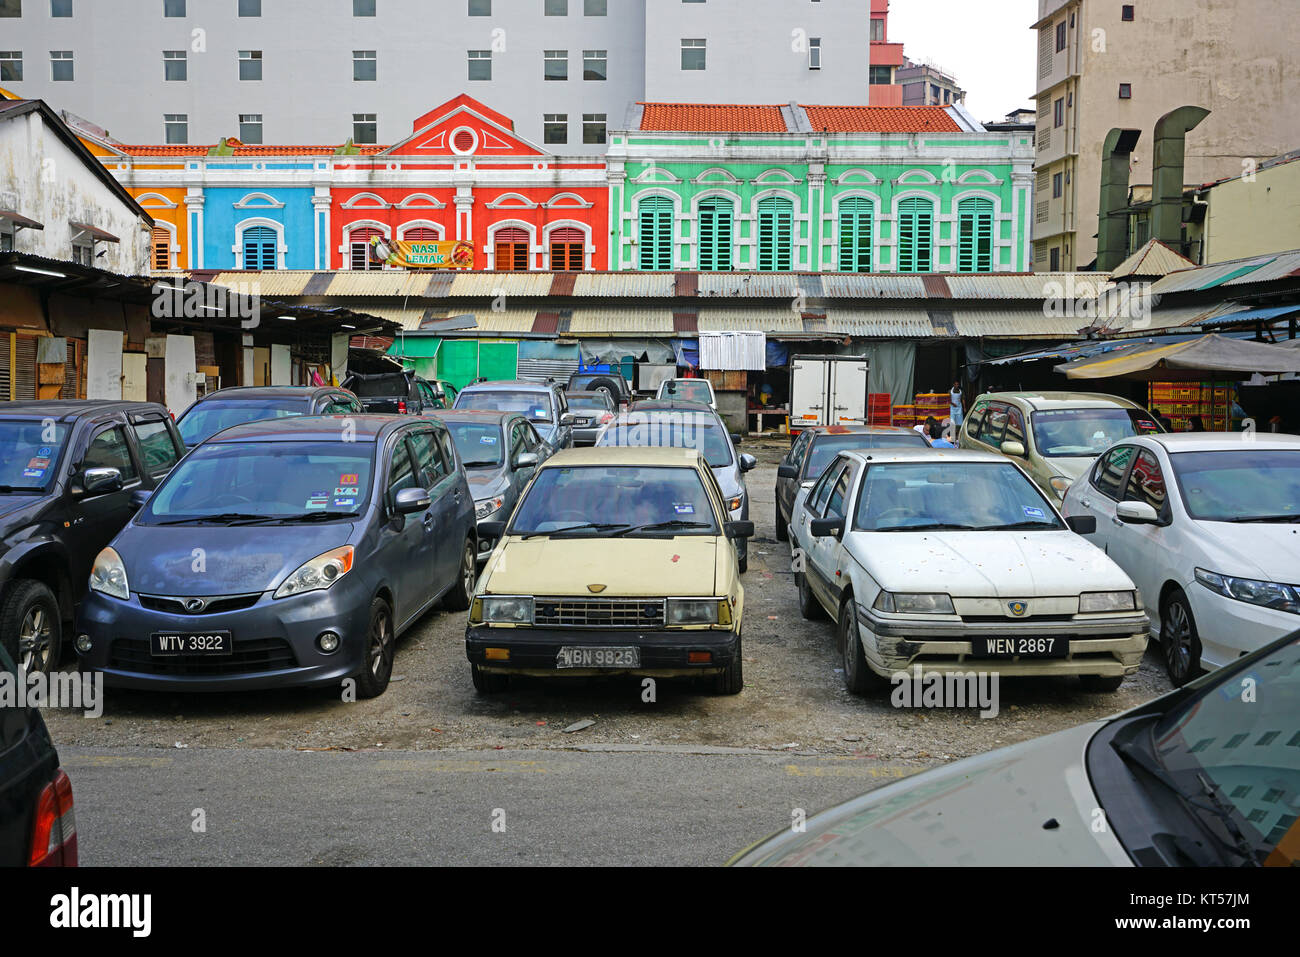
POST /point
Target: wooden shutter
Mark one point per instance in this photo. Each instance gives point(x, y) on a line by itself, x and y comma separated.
point(775, 234)
point(975, 236)
point(162, 248)
point(857, 234)
point(25, 368)
point(568, 249)
point(359, 248)
point(716, 216)
point(259, 248)
point(72, 370)
point(6, 386)
point(512, 248)
point(420, 234)
point(655, 233)
point(915, 235)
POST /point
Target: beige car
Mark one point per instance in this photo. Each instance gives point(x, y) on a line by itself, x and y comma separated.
point(615, 561)
point(1054, 436)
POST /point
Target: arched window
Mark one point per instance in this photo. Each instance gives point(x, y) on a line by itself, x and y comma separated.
point(975, 235)
point(915, 235)
point(420, 234)
point(359, 248)
point(857, 233)
point(655, 232)
point(714, 245)
point(568, 249)
point(161, 248)
point(511, 248)
point(259, 248)
point(775, 234)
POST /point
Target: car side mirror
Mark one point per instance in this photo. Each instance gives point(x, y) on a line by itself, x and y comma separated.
point(740, 529)
point(748, 463)
point(526, 460)
point(567, 419)
point(1014, 448)
point(491, 531)
point(97, 481)
point(737, 438)
point(140, 497)
point(826, 527)
point(787, 471)
point(1137, 513)
point(1082, 524)
point(410, 500)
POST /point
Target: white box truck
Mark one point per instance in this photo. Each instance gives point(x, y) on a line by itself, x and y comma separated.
point(828, 390)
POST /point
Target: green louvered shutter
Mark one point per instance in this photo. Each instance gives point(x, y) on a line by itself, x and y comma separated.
point(775, 234)
point(856, 235)
point(715, 235)
point(915, 235)
point(975, 236)
point(656, 233)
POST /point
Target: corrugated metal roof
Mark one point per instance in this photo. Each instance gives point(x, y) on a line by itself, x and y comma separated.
point(764, 319)
point(408, 317)
point(1153, 259)
point(624, 284)
point(1281, 267)
point(880, 323)
point(621, 322)
point(377, 282)
point(1027, 285)
point(492, 284)
point(848, 285)
point(1190, 280)
point(267, 284)
point(758, 285)
point(507, 321)
point(1025, 323)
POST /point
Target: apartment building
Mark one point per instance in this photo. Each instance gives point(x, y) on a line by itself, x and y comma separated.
point(1104, 65)
point(311, 71)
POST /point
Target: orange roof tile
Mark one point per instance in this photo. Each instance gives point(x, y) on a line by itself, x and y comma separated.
point(881, 119)
point(712, 118)
point(241, 150)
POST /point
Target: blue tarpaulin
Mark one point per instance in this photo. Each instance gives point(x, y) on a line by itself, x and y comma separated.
point(688, 352)
point(778, 355)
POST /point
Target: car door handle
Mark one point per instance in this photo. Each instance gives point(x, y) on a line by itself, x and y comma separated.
point(1116, 521)
point(1086, 502)
point(428, 520)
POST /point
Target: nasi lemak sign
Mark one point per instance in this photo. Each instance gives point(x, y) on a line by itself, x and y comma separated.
point(456, 254)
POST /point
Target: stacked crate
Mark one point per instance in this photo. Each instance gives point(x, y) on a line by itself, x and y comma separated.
point(878, 409)
point(1181, 401)
point(931, 404)
point(905, 415)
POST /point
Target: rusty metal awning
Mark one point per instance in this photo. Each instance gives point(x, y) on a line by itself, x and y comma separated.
point(102, 236)
point(19, 221)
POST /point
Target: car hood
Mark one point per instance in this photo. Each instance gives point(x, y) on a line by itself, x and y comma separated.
point(1270, 552)
point(728, 481)
point(208, 560)
point(993, 809)
point(484, 483)
point(1071, 466)
point(682, 566)
point(1007, 564)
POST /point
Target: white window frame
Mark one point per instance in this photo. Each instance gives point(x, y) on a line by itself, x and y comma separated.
point(56, 57)
point(588, 247)
point(512, 224)
point(814, 53)
point(280, 247)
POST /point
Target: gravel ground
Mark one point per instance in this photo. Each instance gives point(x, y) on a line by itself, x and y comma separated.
point(794, 699)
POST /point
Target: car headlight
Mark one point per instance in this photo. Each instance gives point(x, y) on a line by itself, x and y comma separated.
point(507, 611)
point(321, 572)
point(736, 502)
point(1092, 602)
point(108, 575)
point(1060, 484)
point(485, 507)
point(698, 611)
point(1268, 594)
point(901, 604)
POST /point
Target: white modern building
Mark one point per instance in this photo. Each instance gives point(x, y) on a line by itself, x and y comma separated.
point(313, 71)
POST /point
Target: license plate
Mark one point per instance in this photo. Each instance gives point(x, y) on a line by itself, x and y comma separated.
point(570, 657)
point(1020, 647)
point(164, 643)
point(582, 422)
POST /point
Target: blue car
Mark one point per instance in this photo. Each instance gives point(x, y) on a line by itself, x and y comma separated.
point(287, 552)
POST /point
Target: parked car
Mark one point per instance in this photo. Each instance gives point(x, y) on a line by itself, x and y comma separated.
point(953, 560)
point(542, 403)
point(234, 406)
point(568, 589)
point(592, 411)
point(1173, 775)
point(395, 393)
point(68, 469)
point(814, 449)
point(284, 553)
point(1055, 436)
point(38, 823)
point(611, 383)
point(1206, 525)
point(501, 452)
point(701, 430)
point(692, 390)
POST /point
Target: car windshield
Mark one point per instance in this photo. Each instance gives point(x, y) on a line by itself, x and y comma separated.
point(616, 499)
point(371, 386)
point(206, 419)
point(692, 390)
point(479, 444)
point(682, 432)
point(827, 446)
point(233, 482)
point(1065, 432)
point(597, 401)
point(976, 496)
point(1240, 485)
point(29, 453)
point(1244, 748)
point(532, 405)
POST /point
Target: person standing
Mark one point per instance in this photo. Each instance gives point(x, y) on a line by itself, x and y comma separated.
point(955, 404)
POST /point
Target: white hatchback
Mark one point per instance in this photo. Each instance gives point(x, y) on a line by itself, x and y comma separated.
point(1208, 527)
point(955, 561)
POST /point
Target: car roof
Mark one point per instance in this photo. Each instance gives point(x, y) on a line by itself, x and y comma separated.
point(65, 409)
point(316, 428)
point(473, 415)
point(583, 393)
point(640, 414)
point(1064, 400)
point(671, 405)
point(890, 456)
point(270, 391)
point(1224, 441)
point(856, 429)
point(653, 455)
point(509, 385)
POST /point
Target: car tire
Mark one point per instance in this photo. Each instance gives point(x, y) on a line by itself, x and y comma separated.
point(608, 387)
point(732, 678)
point(31, 626)
point(1101, 683)
point(808, 606)
point(858, 676)
point(462, 593)
point(782, 526)
point(744, 564)
point(381, 644)
point(1180, 639)
point(485, 682)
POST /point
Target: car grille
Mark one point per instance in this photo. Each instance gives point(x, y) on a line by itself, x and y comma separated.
point(249, 657)
point(211, 606)
point(595, 613)
point(1003, 619)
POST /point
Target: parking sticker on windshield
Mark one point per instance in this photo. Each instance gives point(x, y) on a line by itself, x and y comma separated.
point(487, 440)
point(33, 473)
point(683, 508)
point(318, 500)
point(41, 464)
point(44, 452)
point(344, 501)
point(1034, 512)
point(349, 490)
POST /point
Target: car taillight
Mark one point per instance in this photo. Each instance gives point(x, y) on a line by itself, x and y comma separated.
point(401, 406)
point(54, 840)
point(607, 417)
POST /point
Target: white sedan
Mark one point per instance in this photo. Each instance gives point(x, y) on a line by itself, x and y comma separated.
point(955, 561)
point(1208, 526)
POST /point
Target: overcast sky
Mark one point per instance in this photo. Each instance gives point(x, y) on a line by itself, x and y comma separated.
point(987, 46)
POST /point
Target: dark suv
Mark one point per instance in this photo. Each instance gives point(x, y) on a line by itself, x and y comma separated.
point(238, 404)
point(612, 383)
point(400, 393)
point(68, 473)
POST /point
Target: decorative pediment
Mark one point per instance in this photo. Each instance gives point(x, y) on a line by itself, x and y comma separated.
point(259, 201)
point(464, 127)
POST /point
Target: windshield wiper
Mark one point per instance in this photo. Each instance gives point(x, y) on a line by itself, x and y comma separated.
point(1014, 525)
point(657, 526)
point(302, 517)
point(9, 489)
point(594, 526)
point(932, 527)
point(225, 518)
point(1293, 518)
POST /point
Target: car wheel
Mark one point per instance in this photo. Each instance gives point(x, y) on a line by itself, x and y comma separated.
point(858, 676)
point(744, 564)
point(782, 526)
point(607, 387)
point(380, 648)
point(1101, 682)
point(462, 593)
point(485, 682)
point(31, 626)
point(1181, 641)
point(808, 606)
point(732, 679)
